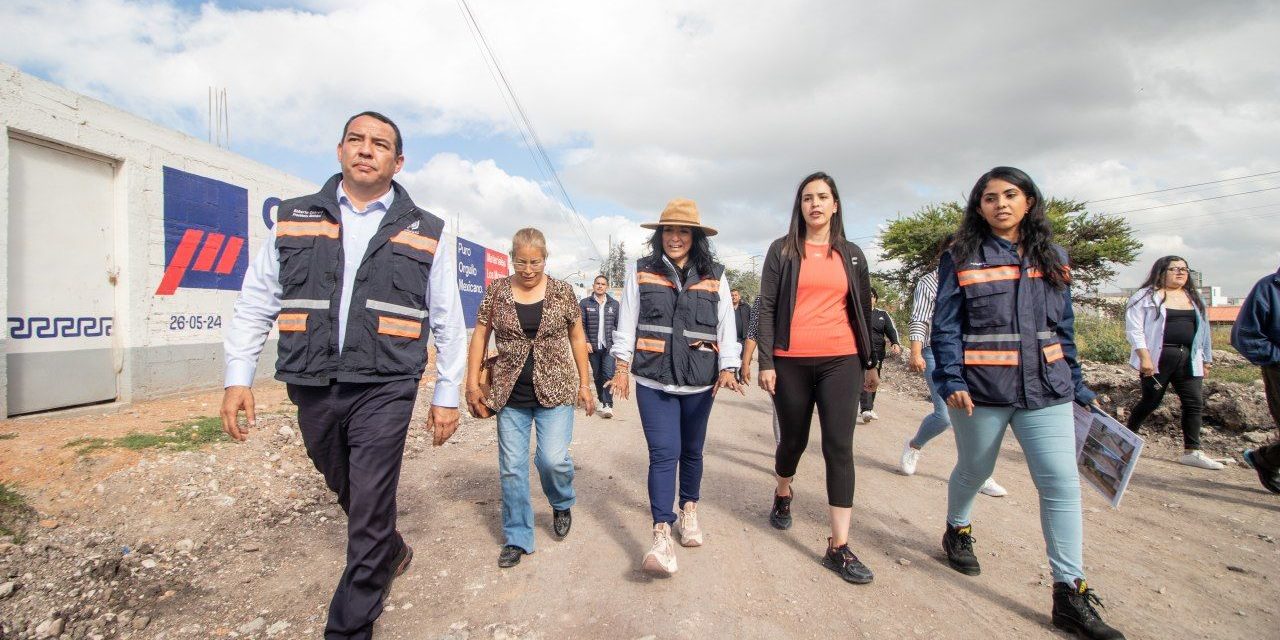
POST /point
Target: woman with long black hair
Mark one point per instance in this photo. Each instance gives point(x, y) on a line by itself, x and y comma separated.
point(815, 350)
point(1004, 341)
point(676, 337)
point(1166, 327)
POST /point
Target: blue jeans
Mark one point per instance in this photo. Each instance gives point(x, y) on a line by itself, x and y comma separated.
point(555, 467)
point(938, 421)
point(1048, 440)
point(675, 426)
point(602, 366)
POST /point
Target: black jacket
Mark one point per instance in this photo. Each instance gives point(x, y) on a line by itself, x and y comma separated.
point(591, 319)
point(778, 285)
point(387, 329)
point(742, 320)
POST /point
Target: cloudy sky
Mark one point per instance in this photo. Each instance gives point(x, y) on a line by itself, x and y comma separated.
point(729, 103)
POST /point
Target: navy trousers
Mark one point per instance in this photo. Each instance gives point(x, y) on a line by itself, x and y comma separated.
point(354, 433)
point(675, 426)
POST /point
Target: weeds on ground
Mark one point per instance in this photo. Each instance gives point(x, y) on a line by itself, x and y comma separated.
point(13, 512)
point(8, 436)
point(1241, 373)
point(1101, 339)
point(185, 437)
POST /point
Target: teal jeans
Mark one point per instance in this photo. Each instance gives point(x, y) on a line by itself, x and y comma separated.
point(1048, 440)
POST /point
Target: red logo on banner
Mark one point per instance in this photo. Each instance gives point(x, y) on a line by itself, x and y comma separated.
point(495, 266)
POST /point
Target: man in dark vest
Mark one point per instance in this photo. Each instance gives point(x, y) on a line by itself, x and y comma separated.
point(600, 319)
point(352, 277)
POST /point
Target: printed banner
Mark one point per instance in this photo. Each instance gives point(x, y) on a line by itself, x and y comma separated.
point(471, 278)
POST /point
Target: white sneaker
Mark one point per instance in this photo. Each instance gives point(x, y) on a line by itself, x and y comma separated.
point(910, 456)
point(661, 559)
point(1198, 459)
point(690, 531)
point(606, 411)
point(993, 489)
point(874, 415)
point(867, 417)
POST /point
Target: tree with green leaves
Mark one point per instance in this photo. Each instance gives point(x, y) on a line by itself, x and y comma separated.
point(744, 280)
point(615, 266)
point(1095, 243)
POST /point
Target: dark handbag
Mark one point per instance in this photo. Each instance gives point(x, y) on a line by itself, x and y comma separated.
point(486, 384)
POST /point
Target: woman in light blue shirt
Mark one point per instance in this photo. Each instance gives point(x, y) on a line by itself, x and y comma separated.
point(1166, 327)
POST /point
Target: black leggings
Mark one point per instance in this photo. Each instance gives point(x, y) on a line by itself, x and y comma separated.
point(1174, 368)
point(831, 383)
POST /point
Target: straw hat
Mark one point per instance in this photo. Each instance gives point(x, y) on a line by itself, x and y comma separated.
point(680, 213)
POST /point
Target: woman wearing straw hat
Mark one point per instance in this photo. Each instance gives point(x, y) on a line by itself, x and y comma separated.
point(676, 337)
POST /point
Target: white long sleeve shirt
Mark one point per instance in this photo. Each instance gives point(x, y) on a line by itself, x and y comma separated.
point(624, 337)
point(259, 302)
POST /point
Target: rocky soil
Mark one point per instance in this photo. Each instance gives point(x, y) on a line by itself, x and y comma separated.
point(1235, 415)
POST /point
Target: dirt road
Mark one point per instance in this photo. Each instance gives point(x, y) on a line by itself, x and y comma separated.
point(247, 543)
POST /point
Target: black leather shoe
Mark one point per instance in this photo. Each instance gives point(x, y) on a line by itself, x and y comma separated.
point(561, 522)
point(1073, 612)
point(780, 515)
point(401, 563)
point(1270, 478)
point(510, 556)
point(958, 543)
point(843, 561)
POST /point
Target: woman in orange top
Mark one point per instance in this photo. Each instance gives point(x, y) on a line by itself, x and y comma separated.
point(815, 298)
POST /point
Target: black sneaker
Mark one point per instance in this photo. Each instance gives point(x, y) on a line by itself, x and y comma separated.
point(842, 561)
point(958, 543)
point(1073, 612)
point(1270, 478)
point(510, 556)
point(780, 515)
point(561, 521)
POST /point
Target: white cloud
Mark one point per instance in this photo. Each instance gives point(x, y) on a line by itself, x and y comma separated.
point(730, 103)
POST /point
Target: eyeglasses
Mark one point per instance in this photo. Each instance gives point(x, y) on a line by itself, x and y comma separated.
point(521, 265)
point(1177, 270)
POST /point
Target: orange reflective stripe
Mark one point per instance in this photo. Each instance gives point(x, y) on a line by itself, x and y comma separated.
point(304, 229)
point(1053, 353)
point(644, 277)
point(706, 285)
point(400, 328)
point(651, 344)
point(1033, 272)
point(990, 358)
point(990, 274)
point(292, 321)
point(421, 243)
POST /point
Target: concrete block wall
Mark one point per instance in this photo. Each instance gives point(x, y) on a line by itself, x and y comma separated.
point(156, 354)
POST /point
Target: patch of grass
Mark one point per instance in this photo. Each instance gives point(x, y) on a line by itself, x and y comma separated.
point(1241, 373)
point(185, 437)
point(1221, 336)
point(8, 436)
point(1101, 339)
point(14, 512)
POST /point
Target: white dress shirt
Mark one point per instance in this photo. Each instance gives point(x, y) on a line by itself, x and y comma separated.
point(259, 302)
point(624, 337)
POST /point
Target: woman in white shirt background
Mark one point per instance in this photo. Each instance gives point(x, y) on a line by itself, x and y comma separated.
point(1166, 327)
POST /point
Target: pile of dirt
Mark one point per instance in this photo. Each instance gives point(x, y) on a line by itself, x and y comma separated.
point(1235, 414)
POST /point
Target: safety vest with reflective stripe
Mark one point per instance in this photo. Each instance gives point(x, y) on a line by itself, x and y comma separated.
point(387, 318)
point(1012, 352)
point(676, 336)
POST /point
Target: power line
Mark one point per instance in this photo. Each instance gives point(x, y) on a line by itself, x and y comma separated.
point(1185, 186)
point(1175, 204)
point(478, 35)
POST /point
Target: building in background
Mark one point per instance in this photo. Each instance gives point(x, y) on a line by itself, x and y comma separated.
point(126, 244)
